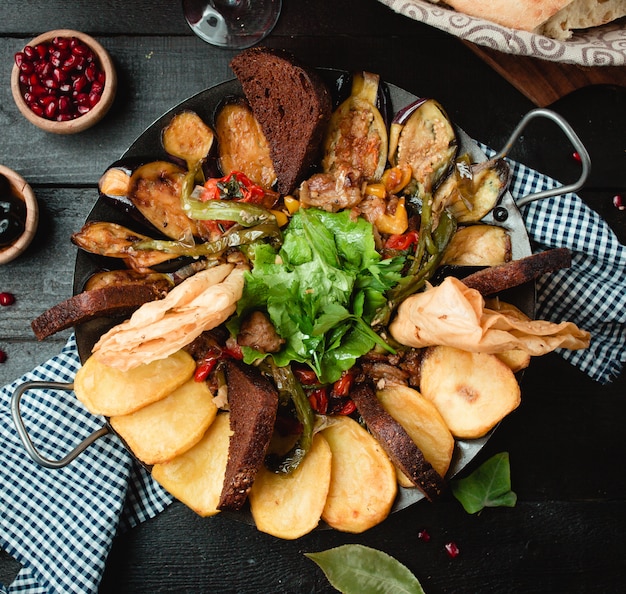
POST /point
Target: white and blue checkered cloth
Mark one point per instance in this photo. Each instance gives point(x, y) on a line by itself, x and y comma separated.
point(59, 524)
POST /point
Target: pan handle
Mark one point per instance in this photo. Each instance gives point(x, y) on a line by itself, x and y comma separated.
point(23, 433)
point(585, 161)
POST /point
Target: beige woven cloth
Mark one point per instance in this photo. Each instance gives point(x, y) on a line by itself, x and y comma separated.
point(600, 46)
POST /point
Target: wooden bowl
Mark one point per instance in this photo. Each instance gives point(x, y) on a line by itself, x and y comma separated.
point(24, 191)
point(82, 122)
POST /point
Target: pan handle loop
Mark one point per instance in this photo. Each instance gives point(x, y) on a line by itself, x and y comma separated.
point(25, 437)
point(585, 160)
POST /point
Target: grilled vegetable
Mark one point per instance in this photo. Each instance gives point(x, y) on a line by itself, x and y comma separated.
point(478, 245)
point(155, 189)
point(422, 136)
point(116, 241)
point(242, 146)
point(356, 141)
point(473, 189)
point(189, 138)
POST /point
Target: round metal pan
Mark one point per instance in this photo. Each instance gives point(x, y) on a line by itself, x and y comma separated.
point(206, 103)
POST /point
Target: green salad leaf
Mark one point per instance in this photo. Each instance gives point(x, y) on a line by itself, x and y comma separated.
point(321, 290)
point(356, 569)
point(488, 486)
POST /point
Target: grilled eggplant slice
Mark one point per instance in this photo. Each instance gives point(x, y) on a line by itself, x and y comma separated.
point(478, 245)
point(116, 241)
point(422, 137)
point(189, 138)
point(472, 189)
point(242, 146)
point(155, 189)
point(356, 141)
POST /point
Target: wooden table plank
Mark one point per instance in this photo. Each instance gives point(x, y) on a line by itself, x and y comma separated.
point(543, 81)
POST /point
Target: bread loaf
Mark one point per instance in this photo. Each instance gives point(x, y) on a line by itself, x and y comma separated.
point(553, 18)
point(582, 14)
point(292, 105)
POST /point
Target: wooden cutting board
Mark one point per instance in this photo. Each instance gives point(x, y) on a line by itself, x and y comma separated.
point(544, 82)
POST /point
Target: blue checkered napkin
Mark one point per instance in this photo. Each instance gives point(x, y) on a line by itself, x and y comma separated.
point(592, 293)
point(60, 523)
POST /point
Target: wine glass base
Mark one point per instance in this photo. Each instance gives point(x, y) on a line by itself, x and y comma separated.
point(232, 24)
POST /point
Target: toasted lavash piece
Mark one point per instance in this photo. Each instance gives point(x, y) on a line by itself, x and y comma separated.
point(164, 429)
point(108, 391)
point(363, 482)
point(158, 329)
point(454, 315)
point(290, 505)
point(253, 403)
point(516, 359)
point(526, 15)
point(196, 476)
point(582, 14)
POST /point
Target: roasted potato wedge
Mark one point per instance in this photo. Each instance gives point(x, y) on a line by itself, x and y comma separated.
point(472, 391)
point(289, 506)
point(162, 430)
point(478, 245)
point(424, 424)
point(363, 481)
point(196, 476)
point(108, 391)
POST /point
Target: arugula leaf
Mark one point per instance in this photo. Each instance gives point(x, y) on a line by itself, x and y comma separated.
point(356, 569)
point(488, 486)
point(321, 290)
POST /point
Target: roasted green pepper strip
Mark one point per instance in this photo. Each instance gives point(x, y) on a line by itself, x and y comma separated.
point(234, 237)
point(290, 388)
point(428, 253)
point(246, 214)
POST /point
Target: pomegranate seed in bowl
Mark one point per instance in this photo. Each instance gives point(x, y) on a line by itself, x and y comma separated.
point(63, 81)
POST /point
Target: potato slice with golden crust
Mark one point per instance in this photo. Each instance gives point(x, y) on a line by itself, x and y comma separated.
point(363, 482)
point(391, 435)
point(472, 391)
point(196, 476)
point(424, 424)
point(108, 391)
point(290, 506)
point(162, 430)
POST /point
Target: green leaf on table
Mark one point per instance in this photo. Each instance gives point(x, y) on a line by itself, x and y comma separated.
point(488, 486)
point(356, 569)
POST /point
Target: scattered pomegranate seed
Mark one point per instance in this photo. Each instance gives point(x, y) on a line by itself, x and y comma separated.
point(61, 79)
point(3, 356)
point(424, 535)
point(7, 298)
point(452, 549)
point(576, 157)
point(619, 202)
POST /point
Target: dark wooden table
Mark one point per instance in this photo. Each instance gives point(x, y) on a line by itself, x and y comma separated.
point(565, 441)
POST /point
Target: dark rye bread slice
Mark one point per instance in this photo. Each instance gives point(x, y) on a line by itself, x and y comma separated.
point(112, 300)
point(292, 105)
point(253, 401)
point(393, 438)
point(517, 272)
